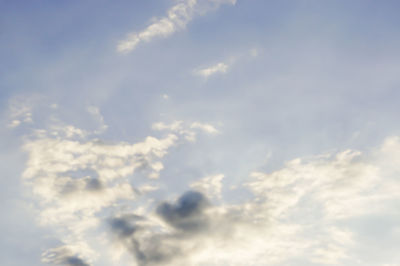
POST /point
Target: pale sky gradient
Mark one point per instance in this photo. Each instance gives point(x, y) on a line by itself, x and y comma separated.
point(200, 132)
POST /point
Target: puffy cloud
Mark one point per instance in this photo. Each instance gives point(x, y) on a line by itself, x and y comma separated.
point(192, 231)
point(333, 182)
point(122, 227)
point(322, 195)
point(176, 19)
point(187, 213)
point(73, 180)
point(304, 211)
point(210, 129)
point(211, 185)
point(76, 180)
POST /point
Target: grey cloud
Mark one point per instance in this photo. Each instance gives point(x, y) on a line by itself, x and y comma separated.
point(74, 185)
point(75, 261)
point(156, 251)
point(193, 224)
point(122, 227)
point(149, 245)
point(187, 213)
point(94, 184)
point(69, 187)
point(126, 231)
point(63, 256)
point(151, 248)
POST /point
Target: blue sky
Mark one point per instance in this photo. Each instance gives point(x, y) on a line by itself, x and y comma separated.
point(132, 130)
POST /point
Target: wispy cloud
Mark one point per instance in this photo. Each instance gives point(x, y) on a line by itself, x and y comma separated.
point(176, 19)
point(219, 68)
point(188, 130)
point(95, 111)
point(226, 65)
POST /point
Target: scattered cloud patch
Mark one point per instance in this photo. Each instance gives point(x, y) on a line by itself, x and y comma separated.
point(14, 123)
point(67, 131)
point(210, 129)
point(219, 68)
point(223, 67)
point(188, 130)
point(20, 110)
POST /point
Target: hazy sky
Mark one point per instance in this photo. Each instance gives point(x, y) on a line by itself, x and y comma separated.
point(200, 132)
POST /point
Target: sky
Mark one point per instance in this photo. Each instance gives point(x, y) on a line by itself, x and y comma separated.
point(199, 132)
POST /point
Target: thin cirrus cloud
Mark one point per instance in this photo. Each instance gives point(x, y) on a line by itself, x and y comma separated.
point(176, 19)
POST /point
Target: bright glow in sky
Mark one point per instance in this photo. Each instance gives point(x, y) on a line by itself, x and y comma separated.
point(200, 132)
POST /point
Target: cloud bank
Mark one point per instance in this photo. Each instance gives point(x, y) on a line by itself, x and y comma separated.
point(89, 192)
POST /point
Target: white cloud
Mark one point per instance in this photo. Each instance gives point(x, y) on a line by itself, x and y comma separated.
point(209, 185)
point(95, 112)
point(303, 211)
point(176, 19)
point(67, 131)
point(72, 180)
point(322, 193)
point(14, 123)
point(176, 126)
point(219, 68)
point(188, 131)
point(75, 179)
point(20, 110)
point(210, 129)
point(226, 65)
